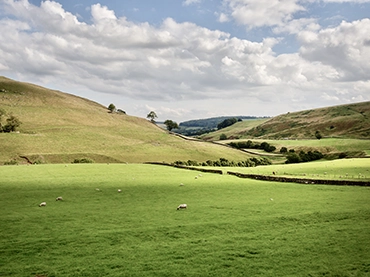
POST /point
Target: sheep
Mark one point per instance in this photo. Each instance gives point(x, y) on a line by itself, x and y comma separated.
point(119, 190)
point(181, 184)
point(42, 204)
point(59, 198)
point(182, 206)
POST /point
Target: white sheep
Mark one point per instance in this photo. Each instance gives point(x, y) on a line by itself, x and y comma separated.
point(182, 206)
point(59, 198)
point(119, 190)
point(181, 184)
point(42, 204)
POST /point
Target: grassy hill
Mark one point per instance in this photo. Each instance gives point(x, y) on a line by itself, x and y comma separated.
point(344, 121)
point(234, 131)
point(58, 127)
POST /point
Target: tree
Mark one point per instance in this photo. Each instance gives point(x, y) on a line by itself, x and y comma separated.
point(12, 123)
point(227, 122)
point(112, 108)
point(223, 137)
point(171, 125)
point(152, 116)
point(283, 149)
point(2, 112)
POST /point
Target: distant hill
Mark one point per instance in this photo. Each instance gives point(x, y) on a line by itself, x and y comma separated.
point(198, 127)
point(211, 123)
point(343, 121)
point(58, 127)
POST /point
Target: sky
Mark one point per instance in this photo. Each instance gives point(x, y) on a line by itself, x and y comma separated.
point(192, 59)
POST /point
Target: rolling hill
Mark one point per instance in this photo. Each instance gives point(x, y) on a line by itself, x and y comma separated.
point(59, 127)
point(343, 121)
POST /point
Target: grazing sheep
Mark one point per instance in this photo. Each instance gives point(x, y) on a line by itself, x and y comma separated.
point(182, 206)
point(119, 190)
point(42, 204)
point(59, 198)
point(181, 184)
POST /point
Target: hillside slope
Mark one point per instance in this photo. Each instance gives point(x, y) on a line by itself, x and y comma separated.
point(58, 127)
point(344, 121)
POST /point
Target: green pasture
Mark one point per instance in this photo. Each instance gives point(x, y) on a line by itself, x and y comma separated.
point(326, 145)
point(232, 227)
point(343, 169)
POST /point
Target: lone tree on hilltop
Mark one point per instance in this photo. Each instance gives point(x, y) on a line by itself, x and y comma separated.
point(112, 108)
point(171, 125)
point(152, 116)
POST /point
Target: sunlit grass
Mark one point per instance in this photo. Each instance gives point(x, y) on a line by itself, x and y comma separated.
point(232, 227)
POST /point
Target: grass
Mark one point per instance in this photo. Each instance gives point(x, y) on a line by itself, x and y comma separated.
point(58, 127)
point(231, 227)
point(344, 169)
point(235, 130)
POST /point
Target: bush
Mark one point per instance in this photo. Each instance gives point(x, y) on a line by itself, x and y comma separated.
point(304, 157)
point(83, 161)
point(292, 158)
point(223, 137)
point(226, 123)
point(12, 123)
point(283, 150)
point(11, 162)
point(225, 162)
point(318, 135)
point(250, 145)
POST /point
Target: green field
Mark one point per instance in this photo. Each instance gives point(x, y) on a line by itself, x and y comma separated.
point(232, 227)
point(344, 169)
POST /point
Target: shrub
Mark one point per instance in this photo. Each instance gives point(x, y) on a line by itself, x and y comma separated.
point(283, 150)
point(83, 161)
point(11, 162)
point(223, 137)
point(250, 145)
point(292, 158)
point(318, 135)
point(226, 123)
point(304, 157)
point(12, 123)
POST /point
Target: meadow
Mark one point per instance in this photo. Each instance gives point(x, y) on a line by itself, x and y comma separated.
point(232, 227)
point(343, 169)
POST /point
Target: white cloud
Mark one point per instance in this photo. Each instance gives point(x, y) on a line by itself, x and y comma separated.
point(344, 47)
point(190, 2)
point(222, 17)
point(99, 12)
point(175, 63)
point(258, 13)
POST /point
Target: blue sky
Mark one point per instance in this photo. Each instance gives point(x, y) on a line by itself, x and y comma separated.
point(189, 59)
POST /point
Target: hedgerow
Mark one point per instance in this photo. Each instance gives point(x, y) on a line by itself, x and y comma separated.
point(225, 162)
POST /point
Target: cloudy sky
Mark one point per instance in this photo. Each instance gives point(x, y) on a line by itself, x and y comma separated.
point(190, 59)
